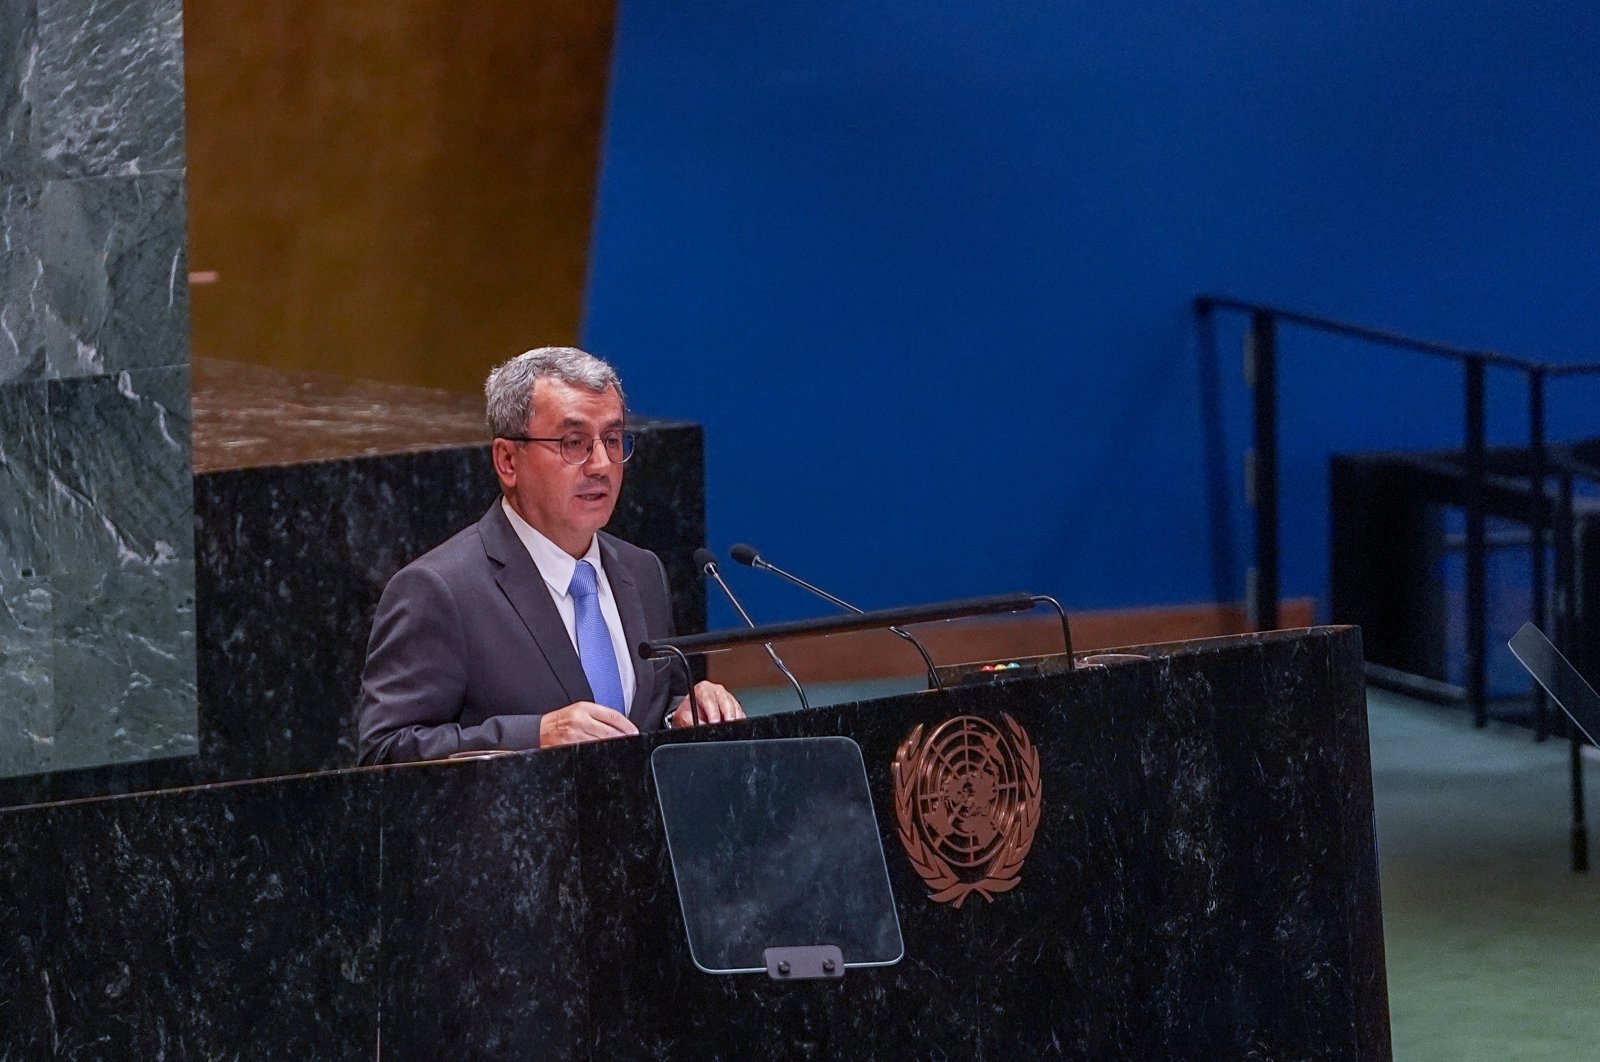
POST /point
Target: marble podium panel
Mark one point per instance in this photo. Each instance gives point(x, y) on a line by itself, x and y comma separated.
point(1202, 884)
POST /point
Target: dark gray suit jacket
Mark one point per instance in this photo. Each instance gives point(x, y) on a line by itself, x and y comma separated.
point(468, 650)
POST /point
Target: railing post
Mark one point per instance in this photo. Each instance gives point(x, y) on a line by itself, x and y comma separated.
point(1261, 364)
point(1477, 582)
point(1541, 525)
point(1565, 637)
point(1218, 467)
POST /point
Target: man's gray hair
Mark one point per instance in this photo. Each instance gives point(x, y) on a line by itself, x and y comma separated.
point(508, 392)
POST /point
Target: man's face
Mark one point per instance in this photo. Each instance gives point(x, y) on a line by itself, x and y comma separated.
point(566, 503)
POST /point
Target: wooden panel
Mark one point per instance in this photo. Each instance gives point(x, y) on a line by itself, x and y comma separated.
point(401, 191)
point(879, 654)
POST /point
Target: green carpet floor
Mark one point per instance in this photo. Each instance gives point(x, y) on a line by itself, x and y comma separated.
point(1493, 943)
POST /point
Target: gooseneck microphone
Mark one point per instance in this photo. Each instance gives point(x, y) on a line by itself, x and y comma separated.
point(747, 555)
point(706, 561)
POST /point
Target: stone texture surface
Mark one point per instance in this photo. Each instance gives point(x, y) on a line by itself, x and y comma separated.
point(1202, 884)
point(208, 923)
point(105, 89)
point(121, 490)
point(520, 861)
point(112, 291)
point(24, 480)
point(27, 677)
point(97, 659)
point(22, 346)
point(96, 544)
point(19, 38)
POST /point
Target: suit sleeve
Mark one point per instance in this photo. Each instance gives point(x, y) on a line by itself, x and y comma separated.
point(416, 679)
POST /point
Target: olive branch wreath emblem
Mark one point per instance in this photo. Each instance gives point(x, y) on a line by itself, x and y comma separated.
point(915, 769)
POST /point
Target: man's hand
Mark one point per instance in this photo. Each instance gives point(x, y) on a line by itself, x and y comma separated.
point(583, 721)
point(717, 705)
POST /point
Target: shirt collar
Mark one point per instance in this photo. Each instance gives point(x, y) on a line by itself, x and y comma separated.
point(555, 564)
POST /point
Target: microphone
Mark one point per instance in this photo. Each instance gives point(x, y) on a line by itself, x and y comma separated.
point(706, 561)
point(747, 555)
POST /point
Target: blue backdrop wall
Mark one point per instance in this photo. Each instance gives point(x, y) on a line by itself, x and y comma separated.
point(924, 267)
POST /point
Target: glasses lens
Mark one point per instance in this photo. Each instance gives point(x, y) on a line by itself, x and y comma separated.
point(575, 447)
point(619, 445)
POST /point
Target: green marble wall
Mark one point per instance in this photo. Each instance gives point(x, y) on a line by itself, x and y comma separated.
point(96, 496)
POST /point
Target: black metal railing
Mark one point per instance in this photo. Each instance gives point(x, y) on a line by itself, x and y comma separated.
point(1550, 517)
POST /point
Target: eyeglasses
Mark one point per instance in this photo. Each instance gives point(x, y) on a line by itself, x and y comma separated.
point(576, 446)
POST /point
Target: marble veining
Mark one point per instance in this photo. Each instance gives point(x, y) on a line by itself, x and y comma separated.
point(208, 923)
point(98, 632)
point(97, 625)
point(121, 493)
point(24, 481)
point(22, 344)
point(483, 912)
point(94, 279)
point(123, 656)
point(27, 678)
point(106, 87)
point(19, 39)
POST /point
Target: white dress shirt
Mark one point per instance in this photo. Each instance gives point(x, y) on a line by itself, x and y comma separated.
point(556, 566)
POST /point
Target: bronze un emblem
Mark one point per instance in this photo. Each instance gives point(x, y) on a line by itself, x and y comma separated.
point(966, 799)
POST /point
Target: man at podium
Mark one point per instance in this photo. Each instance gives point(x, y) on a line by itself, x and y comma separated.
point(522, 631)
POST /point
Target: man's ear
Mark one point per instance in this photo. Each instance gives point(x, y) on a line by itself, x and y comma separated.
point(503, 453)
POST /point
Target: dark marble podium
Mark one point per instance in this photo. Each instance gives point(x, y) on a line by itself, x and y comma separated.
point(1203, 885)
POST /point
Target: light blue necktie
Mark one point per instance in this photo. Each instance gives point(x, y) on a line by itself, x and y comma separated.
point(599, 659)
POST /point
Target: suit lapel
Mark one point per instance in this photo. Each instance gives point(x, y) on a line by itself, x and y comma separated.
point(524, 587)
point(630, 606)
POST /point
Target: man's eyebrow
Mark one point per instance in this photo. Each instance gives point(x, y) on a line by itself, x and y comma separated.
point(579, 422)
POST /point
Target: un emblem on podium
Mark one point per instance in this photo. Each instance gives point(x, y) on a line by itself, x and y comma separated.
point(966, 799)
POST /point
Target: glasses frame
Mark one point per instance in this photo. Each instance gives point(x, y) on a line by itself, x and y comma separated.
point(628, 445)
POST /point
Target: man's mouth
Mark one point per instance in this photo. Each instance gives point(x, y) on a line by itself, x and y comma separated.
point(594, 495)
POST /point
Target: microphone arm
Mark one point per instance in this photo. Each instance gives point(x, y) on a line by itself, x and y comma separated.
point(694, 699)
point(748, 556)
point(708, 565)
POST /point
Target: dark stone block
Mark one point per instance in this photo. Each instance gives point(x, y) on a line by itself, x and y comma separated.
point(484, 911)
point(35, 903)
point(195, 924)
point(292, 560)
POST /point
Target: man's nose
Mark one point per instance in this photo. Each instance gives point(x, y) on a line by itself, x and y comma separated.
point(599, 458)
